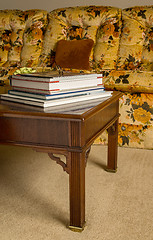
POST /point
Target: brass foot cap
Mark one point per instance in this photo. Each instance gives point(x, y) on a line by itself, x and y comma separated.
point(76, 229)
point(111, 170)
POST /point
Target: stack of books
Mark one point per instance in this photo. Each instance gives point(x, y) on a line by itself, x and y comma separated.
point(48, 89)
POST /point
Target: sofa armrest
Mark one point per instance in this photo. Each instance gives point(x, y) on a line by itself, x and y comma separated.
point(129, 81)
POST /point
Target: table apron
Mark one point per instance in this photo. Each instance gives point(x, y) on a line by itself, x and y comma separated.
point(34, 131)
point(51, 132)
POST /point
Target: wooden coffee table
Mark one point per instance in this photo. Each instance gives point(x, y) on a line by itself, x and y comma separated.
point(68, 131)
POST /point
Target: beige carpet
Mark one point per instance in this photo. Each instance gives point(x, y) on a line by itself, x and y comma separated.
point(34, 196)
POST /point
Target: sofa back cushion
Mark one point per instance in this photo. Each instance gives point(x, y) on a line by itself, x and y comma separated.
point(136, 45)
point(101, 24)
point(5, 33)
point(21, 36)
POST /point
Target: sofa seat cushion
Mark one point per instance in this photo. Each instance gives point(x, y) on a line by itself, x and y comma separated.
point(136, 120)
point(136, 109)
point(135, 127)
point(129, 81)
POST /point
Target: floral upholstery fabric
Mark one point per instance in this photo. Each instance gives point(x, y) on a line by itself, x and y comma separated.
point(136, 45)
point(135, 123)
point(129, 81)
point(134, 76)
point(5, 32)
point(101, 24)
point(21, 37)
point(134, 66)
point(136, 120)
point(21, 34)
point(29, 38)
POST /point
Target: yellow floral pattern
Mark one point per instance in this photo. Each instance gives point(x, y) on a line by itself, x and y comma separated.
point(138, 107)
point(136, 45)
point(131, 134)
point(101, 24)
point(136, 121)
point(129, 81)
point(21, 37)
point(141, 115)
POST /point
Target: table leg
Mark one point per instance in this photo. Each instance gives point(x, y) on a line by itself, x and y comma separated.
point(77, 191)
point(112, 147)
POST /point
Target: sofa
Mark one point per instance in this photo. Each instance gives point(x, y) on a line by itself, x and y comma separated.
point(122, 50)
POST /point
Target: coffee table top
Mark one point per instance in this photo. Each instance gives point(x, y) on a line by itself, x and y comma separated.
point(74, 110)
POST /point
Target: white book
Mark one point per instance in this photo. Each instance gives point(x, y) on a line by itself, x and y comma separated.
point(56, 85)
point(35, 82)
point(54, 76)
point(75, 108)
point(38, 91)
point(58, 94)
point(59, 102)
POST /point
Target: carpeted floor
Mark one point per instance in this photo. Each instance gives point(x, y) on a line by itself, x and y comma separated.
point(34, 197)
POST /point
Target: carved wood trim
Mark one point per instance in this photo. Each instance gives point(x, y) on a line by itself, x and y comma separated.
point(112, 129)
point(87, 154)
point(65, 166)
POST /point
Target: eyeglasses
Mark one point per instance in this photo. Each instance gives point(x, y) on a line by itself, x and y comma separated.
point(59, 69)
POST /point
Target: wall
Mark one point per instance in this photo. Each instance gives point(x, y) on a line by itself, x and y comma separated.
point(53, 4)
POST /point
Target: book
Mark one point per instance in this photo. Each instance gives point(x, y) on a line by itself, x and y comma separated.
point(73, 108)
point(48, 84)
point(56, 102)
point(48, 76)
point(58, 94)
